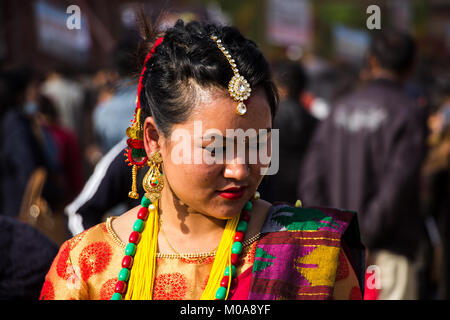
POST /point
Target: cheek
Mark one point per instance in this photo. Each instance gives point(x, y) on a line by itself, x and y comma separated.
point(184, 166)
point(255, 173)
point(192, 178)
point(205, 176)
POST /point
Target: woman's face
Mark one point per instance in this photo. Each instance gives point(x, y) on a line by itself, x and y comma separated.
point(195, 162)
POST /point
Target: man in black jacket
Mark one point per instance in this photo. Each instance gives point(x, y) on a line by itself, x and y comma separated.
point(296, 126)
point(367, 157)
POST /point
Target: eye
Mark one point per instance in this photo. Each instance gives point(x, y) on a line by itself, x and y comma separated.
point(258, 144)
point(214, 150)
point(211, 150)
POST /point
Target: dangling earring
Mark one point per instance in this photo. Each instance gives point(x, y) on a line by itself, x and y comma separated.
point(153, 182)
point(135, 153)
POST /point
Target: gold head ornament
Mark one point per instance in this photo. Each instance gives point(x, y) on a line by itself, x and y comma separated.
point(238, 87)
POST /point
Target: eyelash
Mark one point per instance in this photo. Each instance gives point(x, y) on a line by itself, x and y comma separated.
point(212, 150)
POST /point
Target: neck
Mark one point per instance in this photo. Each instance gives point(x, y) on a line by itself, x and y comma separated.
point(187, 230)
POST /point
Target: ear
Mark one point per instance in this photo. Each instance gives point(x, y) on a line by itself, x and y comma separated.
point(151, 136)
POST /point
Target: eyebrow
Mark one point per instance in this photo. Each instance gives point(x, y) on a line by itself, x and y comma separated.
point(209, 136)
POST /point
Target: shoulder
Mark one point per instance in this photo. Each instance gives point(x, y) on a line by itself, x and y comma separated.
point(15, 122)
point(315, 226)
point(284, 217)
point(84, 267)
point(293, 240)
point(122, 226)
point(96, 239)
point(88, 253)
point(260, 211)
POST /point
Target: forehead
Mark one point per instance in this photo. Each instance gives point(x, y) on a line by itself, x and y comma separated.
point(217, 110)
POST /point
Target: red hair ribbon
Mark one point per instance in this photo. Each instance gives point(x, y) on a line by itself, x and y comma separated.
point(149, 55)
point(134, 132)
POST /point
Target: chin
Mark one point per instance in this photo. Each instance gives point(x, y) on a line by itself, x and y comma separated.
point(228, 209)
point(226, 216)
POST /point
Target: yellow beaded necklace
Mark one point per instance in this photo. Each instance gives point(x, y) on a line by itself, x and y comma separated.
point(142, 259)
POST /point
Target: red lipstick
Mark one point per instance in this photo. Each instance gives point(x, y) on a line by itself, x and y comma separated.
point(232, 193)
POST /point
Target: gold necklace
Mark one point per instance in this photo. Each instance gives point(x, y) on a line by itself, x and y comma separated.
point(176, 255)
point(198, 257)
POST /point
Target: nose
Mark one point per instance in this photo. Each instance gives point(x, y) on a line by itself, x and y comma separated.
point(236, 169)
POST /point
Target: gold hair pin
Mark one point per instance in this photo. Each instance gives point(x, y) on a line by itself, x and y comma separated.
point(238, 87)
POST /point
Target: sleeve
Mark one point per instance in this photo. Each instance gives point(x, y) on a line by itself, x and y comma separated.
point(346, 285)
point(107, 187)
point(63, 281)
point(398, 191)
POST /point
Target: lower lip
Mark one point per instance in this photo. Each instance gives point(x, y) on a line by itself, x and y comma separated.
point(232, 195)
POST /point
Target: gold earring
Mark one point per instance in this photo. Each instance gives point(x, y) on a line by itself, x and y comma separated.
point(153, 182)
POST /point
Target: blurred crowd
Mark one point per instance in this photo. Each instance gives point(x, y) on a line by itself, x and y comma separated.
point(375, 140)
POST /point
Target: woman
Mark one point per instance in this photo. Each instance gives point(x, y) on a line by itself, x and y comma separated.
point(201, 232)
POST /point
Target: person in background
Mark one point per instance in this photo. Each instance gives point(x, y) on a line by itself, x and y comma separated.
point(105, 190)
point(111, 117)
point(63, 145)
point(436, 186)
point(67, 95)
point(296, 126)
point(366, 156)
point(21, 151)
point(22, 275)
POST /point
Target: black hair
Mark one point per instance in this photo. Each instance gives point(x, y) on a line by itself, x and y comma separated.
point(394, 50)
point(47, 107)
point(13, 86)
point(123, 60)
point(292, 76)
point(188, 57)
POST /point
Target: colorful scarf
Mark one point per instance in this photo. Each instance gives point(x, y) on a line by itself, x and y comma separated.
point(297, 256)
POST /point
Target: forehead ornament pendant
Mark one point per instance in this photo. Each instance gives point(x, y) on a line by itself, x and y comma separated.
point(238, 87)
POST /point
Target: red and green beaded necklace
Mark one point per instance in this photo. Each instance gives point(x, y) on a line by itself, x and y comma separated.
point(138, 228)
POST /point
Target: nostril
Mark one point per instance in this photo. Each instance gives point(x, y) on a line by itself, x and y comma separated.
point(236, 171)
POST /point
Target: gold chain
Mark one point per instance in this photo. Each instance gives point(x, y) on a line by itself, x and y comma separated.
point(188, 256)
